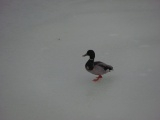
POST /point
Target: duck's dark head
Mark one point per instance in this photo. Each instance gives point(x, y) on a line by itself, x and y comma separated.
point(90, 53)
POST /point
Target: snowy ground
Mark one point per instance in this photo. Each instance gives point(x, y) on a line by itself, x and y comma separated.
point(42, 73)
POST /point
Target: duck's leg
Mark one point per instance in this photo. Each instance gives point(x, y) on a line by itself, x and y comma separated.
point(99, 77)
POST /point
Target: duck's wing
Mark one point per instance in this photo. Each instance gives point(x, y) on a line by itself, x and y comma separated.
point(103, 65)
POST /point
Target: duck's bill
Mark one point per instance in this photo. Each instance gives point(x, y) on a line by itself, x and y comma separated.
point(84, 55)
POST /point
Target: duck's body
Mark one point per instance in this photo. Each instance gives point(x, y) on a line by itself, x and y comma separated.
point(97, 67)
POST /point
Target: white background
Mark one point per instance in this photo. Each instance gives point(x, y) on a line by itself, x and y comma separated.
point(42, 73)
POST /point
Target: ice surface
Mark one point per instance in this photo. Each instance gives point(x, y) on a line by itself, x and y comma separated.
point(42, 73)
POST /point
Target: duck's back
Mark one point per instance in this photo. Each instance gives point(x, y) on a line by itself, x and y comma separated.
point(103, 65)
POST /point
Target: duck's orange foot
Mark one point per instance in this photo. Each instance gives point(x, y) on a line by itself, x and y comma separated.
point(98, 78)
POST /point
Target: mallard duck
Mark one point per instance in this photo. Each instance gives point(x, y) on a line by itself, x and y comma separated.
point(97, 68)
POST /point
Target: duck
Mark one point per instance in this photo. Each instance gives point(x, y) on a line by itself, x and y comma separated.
point(96, 67)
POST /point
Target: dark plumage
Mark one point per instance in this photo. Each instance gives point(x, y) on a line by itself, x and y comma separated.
point(97, 68)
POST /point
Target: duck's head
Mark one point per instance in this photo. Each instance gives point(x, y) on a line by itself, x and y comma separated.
point(90, 53)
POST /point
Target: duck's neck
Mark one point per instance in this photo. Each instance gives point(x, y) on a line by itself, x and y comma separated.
point(90, 64)
point(91, 59)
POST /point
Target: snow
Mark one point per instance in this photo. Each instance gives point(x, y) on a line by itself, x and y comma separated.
point(42, 73)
